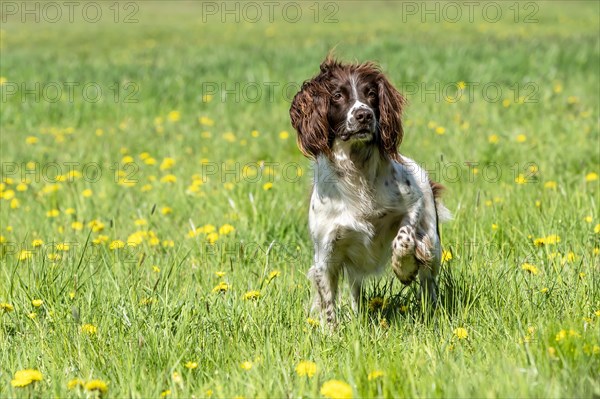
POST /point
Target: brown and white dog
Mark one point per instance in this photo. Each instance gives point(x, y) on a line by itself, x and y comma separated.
point(368, 203)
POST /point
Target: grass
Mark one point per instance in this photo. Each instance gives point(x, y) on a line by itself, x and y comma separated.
point(516, 171)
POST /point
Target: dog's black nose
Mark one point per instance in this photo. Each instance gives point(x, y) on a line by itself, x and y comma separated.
point(363, 115)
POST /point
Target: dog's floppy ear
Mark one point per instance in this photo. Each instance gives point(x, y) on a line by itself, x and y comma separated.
point(308, 114)
point(391, 104)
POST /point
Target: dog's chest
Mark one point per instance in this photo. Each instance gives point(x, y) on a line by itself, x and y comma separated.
point(359, 226)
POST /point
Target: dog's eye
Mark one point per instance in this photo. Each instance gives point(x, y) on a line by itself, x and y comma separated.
point(372, 94)
point(337, 96)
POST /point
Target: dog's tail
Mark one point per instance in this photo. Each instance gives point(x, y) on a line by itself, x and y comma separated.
point(442, 213)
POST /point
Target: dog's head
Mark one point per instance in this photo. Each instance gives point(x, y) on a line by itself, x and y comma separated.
point(351, 103)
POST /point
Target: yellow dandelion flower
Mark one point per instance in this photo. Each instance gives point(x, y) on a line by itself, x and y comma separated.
point(96, 225)
point(206, 121)
point(177, 378)
point(373, 375)
point(494, 226)
point(191, 365)
point(87, 193)
point(54, 257)
point(101, 239)
point(336, 389)
point(549, 240)
point(174, 116)
point(25, 254)
point(284, 135)
point(150, 161)
point(251, 295)
point(312, 322)
point(220, 274)
point(561, 335)
point(140, 222)
point(32, 315)
point(21, 187)
point(37, 303)
point(440, 130)
point(63, 246)
point(212, 237)
point(229, 137)
point(493, 139)
point(272, 275)
point(53, 213)
point(226, 229)
point(597, 228)
point(165, 210)
point(165, 393)
point(76, 383)
point(89, 329)
point(588, 219)
point(267, 186)
point(521, 138)
point(544, 290)
point(221, 287)
point(255, 133)
point(207, 228)
point(77, 226)
point(446, 255)
point(167, 163)
point(37, 243)
point(6, 307)
point(520, 179)
point(306, 368)
point(528, 267)
point(7, 195)
point(96, 385)
point(117, 244)
point(592, 176)
point(156, 269)
point(558, 88)
point(552, 239)
point(31, 140)
point(25, 377)
point(461, 333)
point(247, 365)
point(147, 301)
point(506, 103)
point(15, 203)
point(168, 179)
point(550, 184)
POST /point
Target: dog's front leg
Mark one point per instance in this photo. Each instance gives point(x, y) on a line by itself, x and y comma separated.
point(325, 275)
point(404, 247)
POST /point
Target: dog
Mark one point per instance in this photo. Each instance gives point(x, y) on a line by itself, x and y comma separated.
point(368, 202)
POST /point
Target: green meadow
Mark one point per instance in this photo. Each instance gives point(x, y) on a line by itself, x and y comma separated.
point(153, 202)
